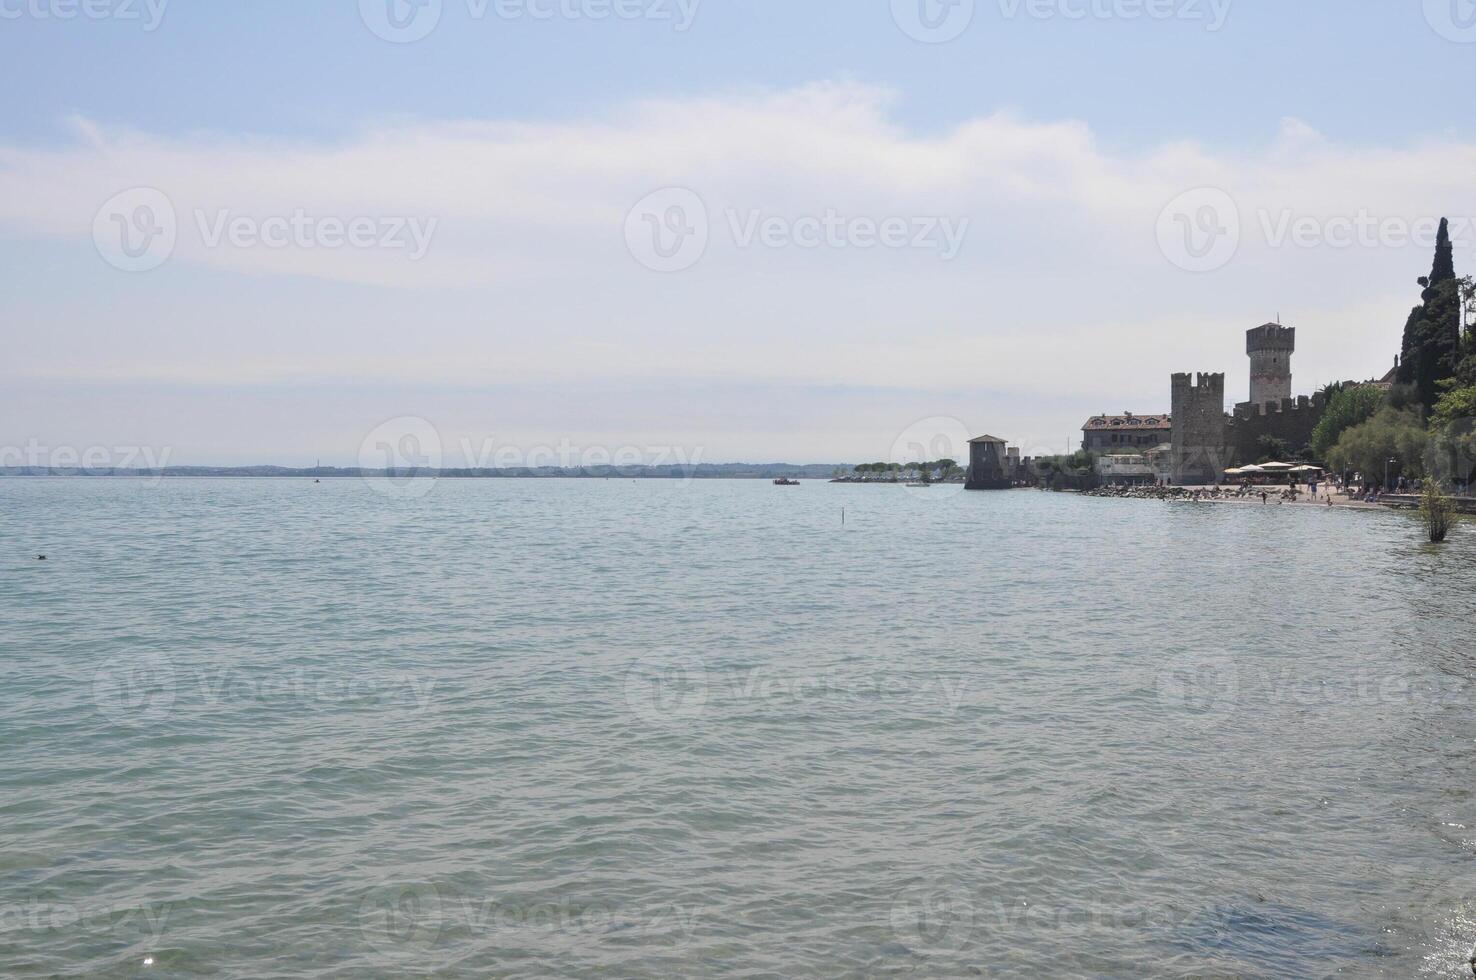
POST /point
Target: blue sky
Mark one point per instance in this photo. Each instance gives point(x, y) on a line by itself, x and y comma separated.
point(1357, 69)
point(525, 141)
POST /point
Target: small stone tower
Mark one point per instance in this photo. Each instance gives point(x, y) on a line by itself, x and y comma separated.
point(1270, 348)
point(1199, 451)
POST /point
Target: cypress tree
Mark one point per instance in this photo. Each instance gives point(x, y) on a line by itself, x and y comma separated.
point(1409, 351)
point(1444, 268)
point(1432, 334)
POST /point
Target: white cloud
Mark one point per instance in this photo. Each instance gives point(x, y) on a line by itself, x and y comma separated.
point(1060, 286)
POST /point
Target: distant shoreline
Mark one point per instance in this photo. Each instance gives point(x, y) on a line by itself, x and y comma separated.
point(702, 471)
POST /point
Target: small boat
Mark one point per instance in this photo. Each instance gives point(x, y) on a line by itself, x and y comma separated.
point(786, 482)
point(922, 485)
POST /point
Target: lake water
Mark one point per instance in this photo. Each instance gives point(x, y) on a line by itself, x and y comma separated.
point(609, 728)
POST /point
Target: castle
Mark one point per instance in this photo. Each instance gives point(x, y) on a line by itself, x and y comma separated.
point(1206, 441)
point(1197, 441)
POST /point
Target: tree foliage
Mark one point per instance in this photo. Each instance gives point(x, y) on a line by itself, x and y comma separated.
point(1350, 405)
point(1437, 510)
point(1391, 434)
point(1432, 333)
point(1453, 424)
point(1271, 449)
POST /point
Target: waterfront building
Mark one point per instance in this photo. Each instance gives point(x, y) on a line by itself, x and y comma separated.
point(988, 462)
point(1149, 467)
point(1125, 433)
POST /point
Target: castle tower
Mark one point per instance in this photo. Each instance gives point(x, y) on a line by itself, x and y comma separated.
point(1199, 452)
point(1270, 348)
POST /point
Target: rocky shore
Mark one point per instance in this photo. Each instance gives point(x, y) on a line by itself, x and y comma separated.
point(1233, 495)
point(1146, 492)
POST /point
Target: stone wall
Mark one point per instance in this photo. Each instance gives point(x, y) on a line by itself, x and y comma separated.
point(1290, 420)
point(1200, 453)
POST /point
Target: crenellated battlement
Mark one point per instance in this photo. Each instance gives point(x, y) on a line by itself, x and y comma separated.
point(1204, 382)
point(1271, 336)
point(1248, 410)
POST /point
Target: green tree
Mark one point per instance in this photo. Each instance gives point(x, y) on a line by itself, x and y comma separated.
point(1271, 450)
point(1453, 425)
point(1432, 334)
point(1391, 434)
point(1348, 406)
